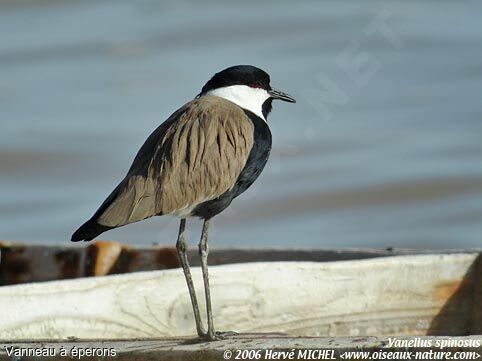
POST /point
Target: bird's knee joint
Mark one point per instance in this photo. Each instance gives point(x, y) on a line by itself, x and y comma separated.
point(203, 249)
point(181, 246)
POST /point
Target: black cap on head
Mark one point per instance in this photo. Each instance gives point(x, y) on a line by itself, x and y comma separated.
point(238, 75)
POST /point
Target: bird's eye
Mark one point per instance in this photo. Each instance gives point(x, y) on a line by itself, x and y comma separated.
point(255, 84)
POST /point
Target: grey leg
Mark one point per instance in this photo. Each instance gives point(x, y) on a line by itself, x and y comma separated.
point(203, 253)
point(181, 247)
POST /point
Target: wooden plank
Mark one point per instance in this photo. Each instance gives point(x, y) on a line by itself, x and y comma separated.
point(261, 347)
point(24, 263)
point(404, 295)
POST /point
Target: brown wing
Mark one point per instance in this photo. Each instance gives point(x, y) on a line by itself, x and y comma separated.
point(195, 156)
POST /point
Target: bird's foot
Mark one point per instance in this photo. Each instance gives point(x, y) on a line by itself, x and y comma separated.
point(214, 336)
point(201, 333)
point(225, 334)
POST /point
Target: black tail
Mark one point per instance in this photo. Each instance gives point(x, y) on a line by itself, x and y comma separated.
point(89, 230)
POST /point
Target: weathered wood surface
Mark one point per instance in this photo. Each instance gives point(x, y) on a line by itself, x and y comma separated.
point(263, 345)
point(24, 263)
point(403, 295)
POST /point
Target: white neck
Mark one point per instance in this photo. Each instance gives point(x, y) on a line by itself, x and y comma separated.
point(251, 99)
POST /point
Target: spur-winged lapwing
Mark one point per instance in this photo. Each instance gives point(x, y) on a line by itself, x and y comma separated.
point(195, 163)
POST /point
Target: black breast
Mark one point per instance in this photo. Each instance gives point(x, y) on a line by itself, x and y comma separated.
point(254, 166)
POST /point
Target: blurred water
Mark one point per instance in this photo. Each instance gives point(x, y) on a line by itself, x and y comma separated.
point(397, 163)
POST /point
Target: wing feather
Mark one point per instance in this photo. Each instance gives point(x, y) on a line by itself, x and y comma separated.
point(196, 157)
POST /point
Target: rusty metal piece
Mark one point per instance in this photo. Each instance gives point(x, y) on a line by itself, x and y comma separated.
point(69, 263)
point(14, 266)
point(166, 257)
point(37, 263)
point(101, 257)
point(130, 260)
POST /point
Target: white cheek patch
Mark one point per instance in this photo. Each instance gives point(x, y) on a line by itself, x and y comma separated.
point(246, 97)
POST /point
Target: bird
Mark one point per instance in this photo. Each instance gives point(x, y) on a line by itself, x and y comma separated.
point(194, 164)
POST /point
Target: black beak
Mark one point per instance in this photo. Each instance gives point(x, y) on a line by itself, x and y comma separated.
point(276, 94)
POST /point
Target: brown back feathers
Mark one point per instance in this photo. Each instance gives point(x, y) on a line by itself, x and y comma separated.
point(195, 156)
